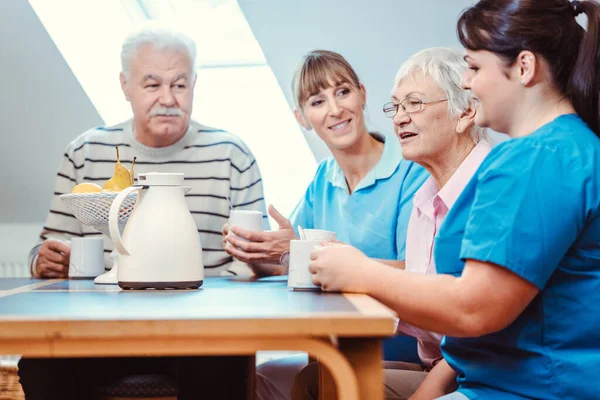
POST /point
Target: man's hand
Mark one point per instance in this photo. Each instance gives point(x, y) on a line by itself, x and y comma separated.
point(339, 268)
point(53, 259)
point(259, 247)
point(224, 232)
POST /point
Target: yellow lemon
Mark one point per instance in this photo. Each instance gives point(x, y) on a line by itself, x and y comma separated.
point(87, 188)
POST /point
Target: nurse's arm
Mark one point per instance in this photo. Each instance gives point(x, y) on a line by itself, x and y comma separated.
point(484, 299)
point(439, 381)
point(400, 264)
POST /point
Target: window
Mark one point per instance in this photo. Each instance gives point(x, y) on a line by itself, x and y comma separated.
point(236, 89)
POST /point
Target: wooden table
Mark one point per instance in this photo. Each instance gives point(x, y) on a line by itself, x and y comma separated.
point(227, 316)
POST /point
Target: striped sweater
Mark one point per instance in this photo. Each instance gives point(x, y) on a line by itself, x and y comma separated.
point(215, 164)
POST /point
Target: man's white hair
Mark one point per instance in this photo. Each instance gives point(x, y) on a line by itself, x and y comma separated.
point(160, 38)
point(445, 67)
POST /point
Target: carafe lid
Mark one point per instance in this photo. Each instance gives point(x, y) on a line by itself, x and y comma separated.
point(160, 179)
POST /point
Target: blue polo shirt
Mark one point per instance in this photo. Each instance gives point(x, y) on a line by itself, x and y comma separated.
point(375, 216)
point(533, 207)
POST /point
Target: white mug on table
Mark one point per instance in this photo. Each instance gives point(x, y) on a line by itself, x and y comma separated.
point(299, 277)
point(87, 257)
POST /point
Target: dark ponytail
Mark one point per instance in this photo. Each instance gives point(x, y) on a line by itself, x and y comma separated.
point(547, 28)
point(583, 87)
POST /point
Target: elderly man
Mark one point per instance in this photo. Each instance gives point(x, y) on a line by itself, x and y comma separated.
point(158, 79)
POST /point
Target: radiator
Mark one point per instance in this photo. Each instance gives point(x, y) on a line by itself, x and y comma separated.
point(13, 270)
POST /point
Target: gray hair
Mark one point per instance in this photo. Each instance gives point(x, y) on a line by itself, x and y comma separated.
point(445, 67)
point(161, 39)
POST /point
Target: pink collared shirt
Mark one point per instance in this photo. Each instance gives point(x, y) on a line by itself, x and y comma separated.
point(431, 205)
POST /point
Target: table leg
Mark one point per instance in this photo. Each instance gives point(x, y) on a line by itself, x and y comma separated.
point(326, 384)
point(330, 355)
point(365, 356)
point(251, 381)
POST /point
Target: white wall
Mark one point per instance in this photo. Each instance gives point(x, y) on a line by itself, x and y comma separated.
point(16, 240)
point(375, 36)
point(42, 108)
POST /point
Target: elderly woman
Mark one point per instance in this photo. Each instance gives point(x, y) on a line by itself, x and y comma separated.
point(517, 291)
point(363, 193)
point(433, 119)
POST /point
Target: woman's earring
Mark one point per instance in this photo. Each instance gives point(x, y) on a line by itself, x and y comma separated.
point(523, 83)
point(364, 106)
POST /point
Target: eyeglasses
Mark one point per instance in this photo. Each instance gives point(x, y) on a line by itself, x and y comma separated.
point(409, 105)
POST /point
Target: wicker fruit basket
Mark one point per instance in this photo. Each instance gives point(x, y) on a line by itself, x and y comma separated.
point(10, 388)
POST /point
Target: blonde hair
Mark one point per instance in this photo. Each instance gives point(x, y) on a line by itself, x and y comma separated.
point(321, 69)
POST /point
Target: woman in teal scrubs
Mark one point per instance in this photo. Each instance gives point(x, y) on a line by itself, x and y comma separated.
point(518, 295)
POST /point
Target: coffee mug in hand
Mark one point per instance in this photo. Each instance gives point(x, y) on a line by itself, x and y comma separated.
point(299, 277)
point(319, 234)
point(250, 220)
point(87, 257)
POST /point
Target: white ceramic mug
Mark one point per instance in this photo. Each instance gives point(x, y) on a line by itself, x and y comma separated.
point(319, 234)
point(87, 257)
point(299, 277)
point(250, 220)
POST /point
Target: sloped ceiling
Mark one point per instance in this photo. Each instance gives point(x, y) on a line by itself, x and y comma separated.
point(43, 107)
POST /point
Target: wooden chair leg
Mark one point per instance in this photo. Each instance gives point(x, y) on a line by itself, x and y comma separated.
point(251, 378)
point(326, 384)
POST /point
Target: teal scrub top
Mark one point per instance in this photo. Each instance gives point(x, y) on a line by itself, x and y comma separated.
point(533, 208)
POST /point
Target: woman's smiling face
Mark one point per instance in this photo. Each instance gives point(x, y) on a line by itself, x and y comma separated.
point(336, 114)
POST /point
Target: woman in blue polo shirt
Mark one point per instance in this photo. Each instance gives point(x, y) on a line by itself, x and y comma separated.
point(518, 295)
point(364, 193)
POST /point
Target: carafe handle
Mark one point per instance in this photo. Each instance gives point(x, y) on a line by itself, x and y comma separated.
point(113, 219)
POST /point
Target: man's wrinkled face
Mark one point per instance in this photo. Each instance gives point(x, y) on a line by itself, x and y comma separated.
point(159, 87)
